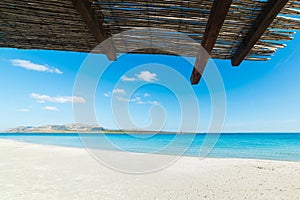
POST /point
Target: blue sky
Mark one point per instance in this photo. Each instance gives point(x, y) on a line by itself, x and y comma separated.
point(37, 88)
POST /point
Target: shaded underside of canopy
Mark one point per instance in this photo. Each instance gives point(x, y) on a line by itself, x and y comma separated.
point(57, 25)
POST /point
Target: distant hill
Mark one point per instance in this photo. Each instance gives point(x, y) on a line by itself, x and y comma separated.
point(56, 128)
point(73, 128)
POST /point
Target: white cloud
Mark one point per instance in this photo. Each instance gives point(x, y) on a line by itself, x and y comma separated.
point(141, 102)
point(122, 99)
point(142, 76)
point(41, 101)
point(147, 76)
point(26, 64)
point(137, 100)
point(120, 95)
point(119, 91)
point(58, 99)
point(23, 110)
point(125, 78)
point(153, 102)
point(51, 108)
point(107, 94)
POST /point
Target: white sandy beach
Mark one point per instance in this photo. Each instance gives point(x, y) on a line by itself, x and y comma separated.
point(33, 171)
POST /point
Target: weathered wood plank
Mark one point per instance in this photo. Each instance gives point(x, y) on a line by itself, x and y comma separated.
point(259, 27)
point(88, 15)
point(216, 19)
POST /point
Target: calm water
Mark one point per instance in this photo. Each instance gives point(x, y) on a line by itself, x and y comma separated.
point(259, 146)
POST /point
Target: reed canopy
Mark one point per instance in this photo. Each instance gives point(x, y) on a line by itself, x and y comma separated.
point(227, 29)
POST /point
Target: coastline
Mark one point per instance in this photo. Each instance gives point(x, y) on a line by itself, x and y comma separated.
point(135, 132)
point(35, 171)
point(93, 132)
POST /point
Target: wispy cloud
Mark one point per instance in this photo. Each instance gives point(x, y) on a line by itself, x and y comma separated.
point(153, 102)
point(137, 100)
point(23, 110)
point(147, 76)
point(142, 76)
point(58, 99)
point(26, 64)
point(125, 78)
point(121, 95)
point(107, 94)
point(119, 91)
point(50, 108)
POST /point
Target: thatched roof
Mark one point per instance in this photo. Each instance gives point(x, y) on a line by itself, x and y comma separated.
point(79, 25)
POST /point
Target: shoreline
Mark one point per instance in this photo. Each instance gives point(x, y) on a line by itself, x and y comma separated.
point(112, 151)
point(139, 132)
point(35, 171)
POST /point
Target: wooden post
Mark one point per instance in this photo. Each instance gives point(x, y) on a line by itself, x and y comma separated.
point(264, 20)
point(87, 13)
point(216, 19)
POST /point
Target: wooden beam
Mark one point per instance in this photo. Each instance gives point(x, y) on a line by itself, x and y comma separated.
point(214, 24)
point(263, 21)
point(85, 10)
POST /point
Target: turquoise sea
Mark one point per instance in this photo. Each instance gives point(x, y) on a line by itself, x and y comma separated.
point(271, 146)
